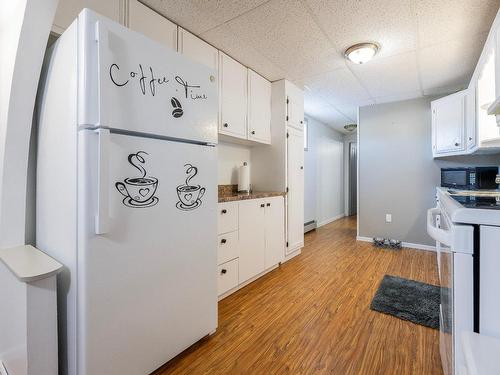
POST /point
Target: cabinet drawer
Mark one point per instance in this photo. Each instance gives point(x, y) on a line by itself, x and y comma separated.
point(228, 247)
point(227, 217)
point(227, 276)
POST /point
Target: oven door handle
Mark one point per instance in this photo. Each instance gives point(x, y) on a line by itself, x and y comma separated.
point(438, 234)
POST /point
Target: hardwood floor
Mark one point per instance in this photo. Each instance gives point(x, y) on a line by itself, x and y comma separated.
point(312, 316)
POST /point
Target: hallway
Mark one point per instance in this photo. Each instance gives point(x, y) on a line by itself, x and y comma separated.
point(312, 315)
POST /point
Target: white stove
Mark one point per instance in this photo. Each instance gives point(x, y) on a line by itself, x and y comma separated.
point(467, 234)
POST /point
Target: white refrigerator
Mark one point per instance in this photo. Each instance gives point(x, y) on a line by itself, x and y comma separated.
point(126, 197)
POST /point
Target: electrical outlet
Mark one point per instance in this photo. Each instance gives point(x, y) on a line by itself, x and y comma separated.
point(388, 218)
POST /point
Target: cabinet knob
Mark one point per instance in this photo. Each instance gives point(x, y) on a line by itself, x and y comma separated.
point(223, 271)
point(253, 131)
point(301, 121)
point(268, 205)
point(224, 211)
point(262, 205)
point(223, 240)
point(301, 167)
point(225, 125)
point(470, 138)
point(457, 144)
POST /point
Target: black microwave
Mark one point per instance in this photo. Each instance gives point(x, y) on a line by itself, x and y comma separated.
point(470, 178)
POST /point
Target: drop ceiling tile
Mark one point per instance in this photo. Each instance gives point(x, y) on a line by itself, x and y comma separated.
point(399, 97)
point(450, 63)
point(199, 16)
point(444, 20)
point(338, 87)
point(391, 23)
point(285, 32)
point(389, 76)
point(317, 108)
point(226, 40)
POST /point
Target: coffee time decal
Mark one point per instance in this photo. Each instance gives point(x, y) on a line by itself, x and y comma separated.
point(149, 83)
point(139, 192)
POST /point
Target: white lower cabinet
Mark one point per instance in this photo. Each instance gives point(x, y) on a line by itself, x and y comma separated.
point(227, 276)
point(252, 238)
point(256, 244)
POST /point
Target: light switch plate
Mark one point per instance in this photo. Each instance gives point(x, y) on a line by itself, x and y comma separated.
point(388, 218)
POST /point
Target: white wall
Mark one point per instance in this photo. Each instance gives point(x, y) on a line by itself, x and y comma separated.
point(324, 174)
point(230, 157)
point(397, 173)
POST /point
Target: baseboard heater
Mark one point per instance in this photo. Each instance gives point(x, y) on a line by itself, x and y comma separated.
point(309, 226)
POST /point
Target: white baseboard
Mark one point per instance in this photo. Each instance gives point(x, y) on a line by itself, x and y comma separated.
point(292, 254)
point(408, 245)
point(331, 220)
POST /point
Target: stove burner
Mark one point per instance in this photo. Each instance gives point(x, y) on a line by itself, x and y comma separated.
point(492, 203)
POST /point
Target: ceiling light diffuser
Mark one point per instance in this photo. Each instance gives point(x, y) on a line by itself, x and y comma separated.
point(361, 53)
point(350, 127)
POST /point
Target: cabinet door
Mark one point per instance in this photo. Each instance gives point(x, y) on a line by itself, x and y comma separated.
point(151, 24)
point(295, 184)
point(252, 238)
point(470, 118)
point(233, 97)
point(259, 108)
point(198, 50)
point(448, 122)
point(275, 231)
point(295, 109)
point(487, 127)
point(68, 10)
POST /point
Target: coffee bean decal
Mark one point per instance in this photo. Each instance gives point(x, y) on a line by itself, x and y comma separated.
point(177, 112)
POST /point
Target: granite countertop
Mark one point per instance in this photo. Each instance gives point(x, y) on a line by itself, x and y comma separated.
point(229, 193)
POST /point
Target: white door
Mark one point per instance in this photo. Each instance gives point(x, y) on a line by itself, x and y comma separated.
point(147, 287)
point(233, 97)
point(259, 108)
point(198, 50)
point(448, 122)
point(129, 82)
point(252, 238)
point(153, 25)
point(295, 110)
point(68, 10)
point(275, 231)
point(295, 194)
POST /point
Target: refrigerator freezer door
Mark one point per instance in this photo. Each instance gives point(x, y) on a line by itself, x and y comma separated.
point(147, 288)
point(131, 83)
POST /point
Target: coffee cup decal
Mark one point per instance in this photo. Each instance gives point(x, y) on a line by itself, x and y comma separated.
point(139, 192)
point(189, 194)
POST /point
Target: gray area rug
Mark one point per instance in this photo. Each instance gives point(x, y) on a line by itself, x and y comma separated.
point(409, 300)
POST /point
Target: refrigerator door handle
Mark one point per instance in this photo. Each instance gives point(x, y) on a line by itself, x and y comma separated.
point(102, 215)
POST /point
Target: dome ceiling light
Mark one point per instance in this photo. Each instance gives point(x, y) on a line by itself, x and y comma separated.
point(362, 52)
point(350, 127)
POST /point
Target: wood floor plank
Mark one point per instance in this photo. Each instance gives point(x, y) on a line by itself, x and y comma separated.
point(312, 316)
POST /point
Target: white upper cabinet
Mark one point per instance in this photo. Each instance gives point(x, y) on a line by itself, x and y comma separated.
point(232, 97)
point(196, 49)
point(259, 108)
point(68, 10)
point(448, 124)
point(488, 130)
point(151, 24)
point(295, 107)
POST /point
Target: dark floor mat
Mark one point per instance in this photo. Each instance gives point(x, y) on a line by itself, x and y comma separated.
point(409, 300)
